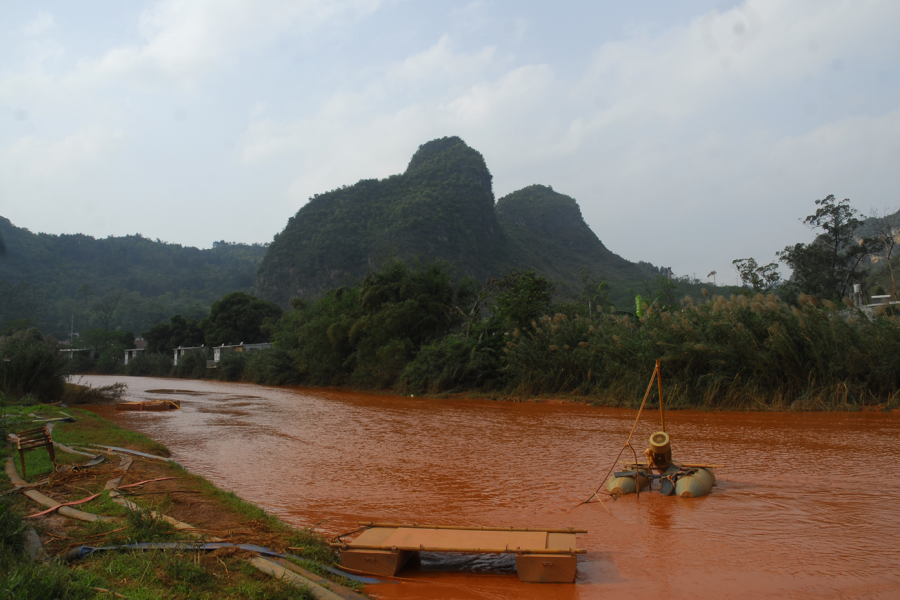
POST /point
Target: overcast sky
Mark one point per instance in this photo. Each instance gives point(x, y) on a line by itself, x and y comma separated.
point(691, 133)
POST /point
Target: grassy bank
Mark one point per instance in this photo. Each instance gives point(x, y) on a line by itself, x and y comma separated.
point(187, 497)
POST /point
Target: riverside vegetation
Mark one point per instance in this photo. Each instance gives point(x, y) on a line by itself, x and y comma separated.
point(413, 330)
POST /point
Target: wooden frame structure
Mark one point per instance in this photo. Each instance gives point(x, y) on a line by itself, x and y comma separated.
point(150, 405)
point(33, 439)
point(542, 555)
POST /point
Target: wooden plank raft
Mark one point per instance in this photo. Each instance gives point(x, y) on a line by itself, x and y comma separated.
point(150, 405)
point(542, 555)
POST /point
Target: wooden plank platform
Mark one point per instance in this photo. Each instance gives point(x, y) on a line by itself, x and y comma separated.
point(542, 555)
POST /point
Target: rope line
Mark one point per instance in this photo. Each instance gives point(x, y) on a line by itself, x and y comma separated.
point(628, 443)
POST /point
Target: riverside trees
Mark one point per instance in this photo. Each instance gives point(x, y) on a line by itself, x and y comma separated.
point(829, 265)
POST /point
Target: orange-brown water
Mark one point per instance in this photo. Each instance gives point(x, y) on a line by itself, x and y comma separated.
point(807, 506)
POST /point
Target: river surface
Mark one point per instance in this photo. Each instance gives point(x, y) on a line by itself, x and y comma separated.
point(806, 506)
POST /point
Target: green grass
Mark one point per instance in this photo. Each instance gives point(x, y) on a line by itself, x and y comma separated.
point(92, 429)
point(104, 506)
point(175, 574)
point(88, 428)
point(25, 580)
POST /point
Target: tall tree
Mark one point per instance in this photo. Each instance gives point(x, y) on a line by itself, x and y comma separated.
point(521, 296)
point(762, 278)
point(829, 265)
point(164, 337)
point(238, 318)
point(104, 308)
point(883, 241)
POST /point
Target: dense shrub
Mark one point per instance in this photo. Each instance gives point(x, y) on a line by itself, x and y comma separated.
point(273, 366)
point(413, 329)
point(191, 365)
point(231, 366)
point(238, 318)
point(35, 366)
point(456, 362)
point(367, 334)
point(154, 364)
point(737, 352)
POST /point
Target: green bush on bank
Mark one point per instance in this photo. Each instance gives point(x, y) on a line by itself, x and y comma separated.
point(154, 364)
point(191, 365)
point(35, 366)
point(720, 353)
point(272, 366)
point(456, 362)
point(232, 366)
point(366, 335)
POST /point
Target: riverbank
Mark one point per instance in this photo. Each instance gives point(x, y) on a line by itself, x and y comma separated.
point(194, 511)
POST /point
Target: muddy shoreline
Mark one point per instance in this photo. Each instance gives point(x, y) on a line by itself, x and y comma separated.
point(891, 405)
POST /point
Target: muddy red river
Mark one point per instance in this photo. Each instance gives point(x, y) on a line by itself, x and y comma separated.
point(806, 506)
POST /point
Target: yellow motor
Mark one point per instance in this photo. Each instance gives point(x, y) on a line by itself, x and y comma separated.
point(660, 451)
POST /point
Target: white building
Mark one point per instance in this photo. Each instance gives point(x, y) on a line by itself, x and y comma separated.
point(181, 351)
point(220, 351)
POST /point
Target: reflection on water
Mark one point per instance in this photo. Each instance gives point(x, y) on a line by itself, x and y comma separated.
point(805, 507)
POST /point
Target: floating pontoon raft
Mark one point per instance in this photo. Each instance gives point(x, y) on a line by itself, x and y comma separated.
point(149, 405)
point(542, 555)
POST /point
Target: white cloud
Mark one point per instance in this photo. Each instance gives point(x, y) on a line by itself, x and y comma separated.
point(364, 110)
point(185, 39)
point(440, 63)
point(182, 42)
point(41, 23)
point(32, 156)
point(750, 50)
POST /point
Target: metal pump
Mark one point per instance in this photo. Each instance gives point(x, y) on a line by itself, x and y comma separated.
point(659, 454)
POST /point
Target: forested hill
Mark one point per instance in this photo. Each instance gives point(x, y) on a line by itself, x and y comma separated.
point(442, 207)
point(131, 282)
point(549, 234)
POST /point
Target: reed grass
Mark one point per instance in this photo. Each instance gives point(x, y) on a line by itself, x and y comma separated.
point(725, 353)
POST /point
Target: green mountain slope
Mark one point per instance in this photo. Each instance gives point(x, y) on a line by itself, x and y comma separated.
point(441, 208)
point(550, 235)
point(55, 279)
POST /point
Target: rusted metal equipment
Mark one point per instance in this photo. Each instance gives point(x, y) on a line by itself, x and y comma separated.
point(33, 439)
point(150, 405)
point(660, 451)
point(688, 480)
point(542, 555)
point(695, 484)
point(623, 482)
